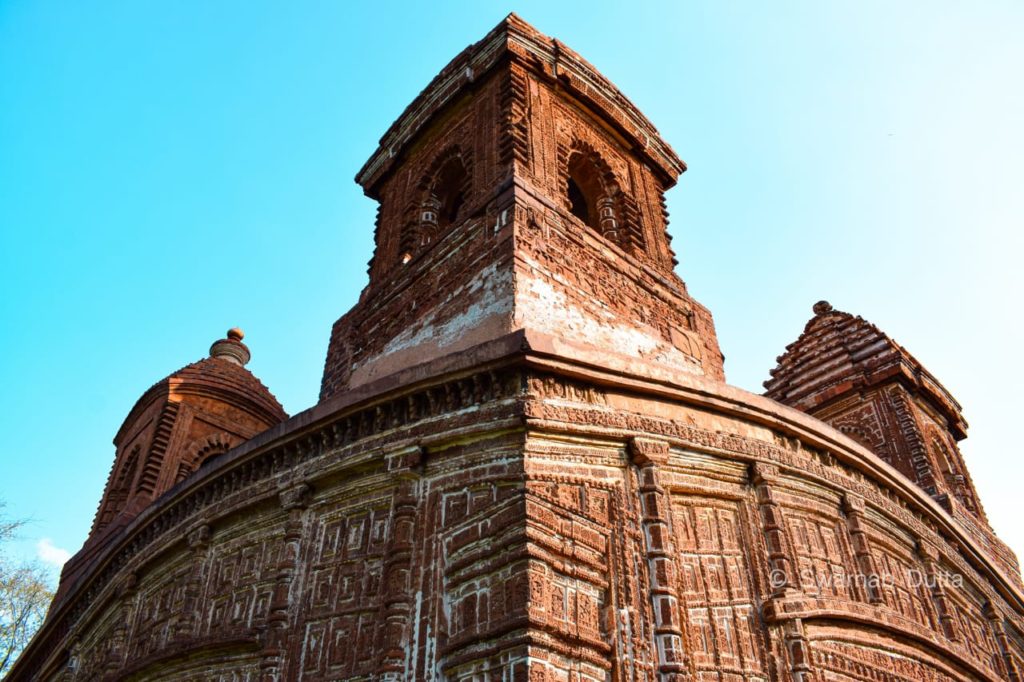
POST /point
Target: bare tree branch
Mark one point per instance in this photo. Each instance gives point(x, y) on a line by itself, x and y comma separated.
point(25, 596)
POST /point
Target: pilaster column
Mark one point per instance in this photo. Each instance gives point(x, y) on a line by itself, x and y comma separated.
point(853, 505)
point(406, 467)
point(118, 651)
point(72, 669)
point(606, 216)
point(799, 650)
point(294, 500)
point(995, 621)
point(930, 558)
point(655, 506)
point(197, 539)
point(782, 577)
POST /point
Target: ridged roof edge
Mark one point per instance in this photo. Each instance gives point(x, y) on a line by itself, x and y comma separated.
point(216, 376)
point(542, 54)
point(865, 349)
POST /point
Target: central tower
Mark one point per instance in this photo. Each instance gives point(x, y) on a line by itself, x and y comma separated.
point(522, 191)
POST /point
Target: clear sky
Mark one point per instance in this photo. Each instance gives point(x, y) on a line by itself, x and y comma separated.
point(169, 170)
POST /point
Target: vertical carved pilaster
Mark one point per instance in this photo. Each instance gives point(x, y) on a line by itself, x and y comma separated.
point(650, 455)
point(197, 539)
point(853, 505)
point(995, 621)
point(118, 652)
point(936, 583)
point(72, 669)
point(799, 650)
point(396, 607)
point(294, 500)
point(782, 579)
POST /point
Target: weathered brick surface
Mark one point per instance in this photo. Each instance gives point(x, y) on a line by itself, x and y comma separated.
point(848, 373)
point(181, 423)
point(476, 235)
point(512, 518)
point(525, 465)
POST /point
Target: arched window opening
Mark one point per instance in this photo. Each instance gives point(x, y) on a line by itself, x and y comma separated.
point(943, 457)
point(591, 197)
point(448, 193)
point(861, 437)
point(120, 489)
point(578, 202)
point(956, 481)
point(584, 190)
point(217, 444)
point(441, 203)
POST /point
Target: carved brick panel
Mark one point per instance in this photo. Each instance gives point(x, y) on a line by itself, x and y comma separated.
point(343, 589)
point(717, 589)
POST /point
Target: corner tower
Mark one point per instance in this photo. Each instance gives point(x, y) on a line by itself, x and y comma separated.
point(521, 190)
point(181, 423)
point(201, 411)
point(848, 373)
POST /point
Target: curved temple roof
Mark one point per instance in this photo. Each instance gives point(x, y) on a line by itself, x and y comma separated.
point(514, 38)
point(838, 352)
point(222, 374)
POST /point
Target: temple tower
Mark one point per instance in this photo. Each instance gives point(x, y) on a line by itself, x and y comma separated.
point(521, 190)
point(200, 411)
point(846, 372)
point(179, 424)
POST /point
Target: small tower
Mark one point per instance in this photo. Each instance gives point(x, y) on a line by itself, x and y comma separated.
point(198, 412)
point(521, 191)
point(848, 373)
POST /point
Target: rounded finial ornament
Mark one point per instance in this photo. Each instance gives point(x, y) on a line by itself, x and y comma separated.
point(822, 308)
point(231, 348)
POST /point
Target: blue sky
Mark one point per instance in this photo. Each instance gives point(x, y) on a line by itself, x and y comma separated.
point(169, 170)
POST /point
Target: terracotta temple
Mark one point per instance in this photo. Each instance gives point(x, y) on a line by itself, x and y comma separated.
point(525, 463)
